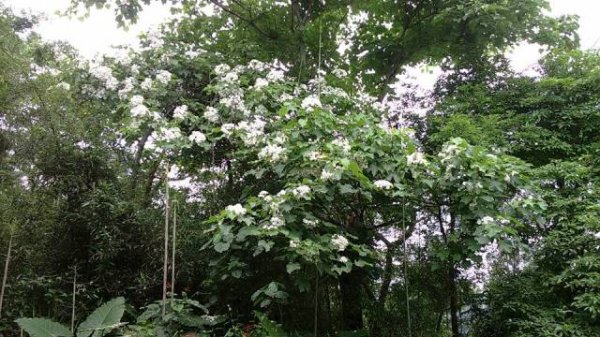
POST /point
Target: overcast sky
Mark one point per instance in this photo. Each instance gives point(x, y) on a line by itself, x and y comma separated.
point(99, 32)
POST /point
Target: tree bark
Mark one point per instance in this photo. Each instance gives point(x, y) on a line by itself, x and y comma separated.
point(350, 288)
point(454, 305)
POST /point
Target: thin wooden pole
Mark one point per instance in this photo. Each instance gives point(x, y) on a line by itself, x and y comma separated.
point(166, 256)
point(73, 302)
point(174, 248)
point(5, 277)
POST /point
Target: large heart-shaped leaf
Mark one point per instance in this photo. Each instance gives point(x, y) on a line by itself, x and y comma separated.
point(42, 327)
point(104, 319)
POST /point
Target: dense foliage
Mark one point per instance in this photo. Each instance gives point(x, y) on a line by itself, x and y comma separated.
point(251, 163)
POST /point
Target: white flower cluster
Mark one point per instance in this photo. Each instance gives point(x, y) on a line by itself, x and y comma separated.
point(311, 102)
point(383, 184)
point(416, 158)
point(274, 223)
point(236, 210)
point(251, 132)
point(64, 86)
point(486, 220)
point(197, 137)
point(104, 74)
point(128, 86)
point(310, 223)
point(211, 114)
point(164, 77)
point(339, 242)
point(301, 191)
point(181, 112)
point(169, 134)
point(272, 153)
point(343, 144)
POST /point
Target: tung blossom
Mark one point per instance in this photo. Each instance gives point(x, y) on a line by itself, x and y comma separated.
point(260, 83)
point(227, 129)
point(383, 184)
point(211, 114)
point(146, 84)
point(275, 223)
point(197, 137)
point(416, 158)
point(311, 102)
point(136, 100)
point(163, 76)
point(272, 152)
point(236, 210)
point(64, 86)
point(301, 191)
point(339, 242)
point(221, 69)
point(181, 112)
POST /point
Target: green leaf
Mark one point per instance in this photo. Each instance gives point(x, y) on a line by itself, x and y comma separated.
point(292, 267)
point(42, 327)
point(104, 319)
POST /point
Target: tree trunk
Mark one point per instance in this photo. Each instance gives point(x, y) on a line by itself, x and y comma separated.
point(454, 306)
point(5, 277)
point(350, 288)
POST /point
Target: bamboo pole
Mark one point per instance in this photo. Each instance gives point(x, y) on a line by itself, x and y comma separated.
point(73, 301)
point(5, 277)
point(174, 247)
point(166, 252)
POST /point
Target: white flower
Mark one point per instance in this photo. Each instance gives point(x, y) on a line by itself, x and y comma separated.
point(163, 76)
point(263, 194)
point(343, 259)
point(383, 184)
point(343, 143)
point(180, 112)
point(339, 73)
point(197, 137)
point(275, 223)
point(339, 242)
point(275, 75)
point(310, 223)
point(293, 243)
point(105, 75)
point(236, 209)
point(314, 155)
point(285, 97)
point(211, 114)
point(255, 65)
point(326, 175)
point(486, 220)
point(597, 235)
point(301, 191)
point(140, 111)
point(252, 132)
point(416, 158)
point(169, 134)
point(230, 78)
point(135, 69)
point(311, 102)
point(271, 152)
point(192, 54)
point(136, 100)
point(260, 83)
point(64, 86)
point(146, 84)
point(221, 69)
point(127, 87)
point(227, 129)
